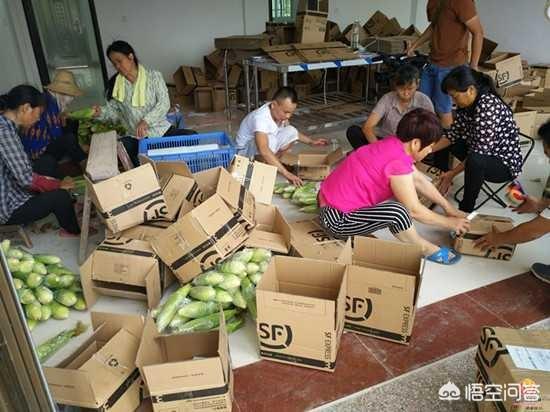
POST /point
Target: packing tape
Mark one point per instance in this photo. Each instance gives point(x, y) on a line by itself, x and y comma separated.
point(132, 204)
point(133, 252)
point(248, 176)
point(121, 390)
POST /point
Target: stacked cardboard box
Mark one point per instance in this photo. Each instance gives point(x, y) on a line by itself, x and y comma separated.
point(311, 21)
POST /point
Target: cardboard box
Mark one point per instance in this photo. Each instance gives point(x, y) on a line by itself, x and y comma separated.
point(543, 70)
point(526, 119)
point(129, 199)
point(234, 76)
point(434, 174)
point(145, 231)
point(510, 357)
point(393, 45)
point(509, 69)
point(269, 80)
point(332, 32)
point(312, 166)
point(126, 268)
point(187, 78)
point(310, 27)
point(309, 240)
point(203, 99)
point(200, 239)
point(240, 201)
point(218, 98)
point(101, 374)
point(283, 33)
point(481, 225)
point(384, 280)
point(376, 23)
point(391, 28)
point(411, 31)
point(213, 65)
point(539, 101)
point(540, 119)
point(317, 52)
point(272, 231)
point(317, 6)
point(487, 50)
point(242, 42)
point(257, 177)
point(301, 304)
point(187, 372)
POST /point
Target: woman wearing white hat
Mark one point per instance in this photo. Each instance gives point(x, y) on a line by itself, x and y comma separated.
point(52, 138)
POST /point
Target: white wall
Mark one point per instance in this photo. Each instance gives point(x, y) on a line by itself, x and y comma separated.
point(517, 26)
point(345, 12)
point(169, 33)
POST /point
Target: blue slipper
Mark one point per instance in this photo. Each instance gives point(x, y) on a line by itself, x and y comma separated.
point(444, 256)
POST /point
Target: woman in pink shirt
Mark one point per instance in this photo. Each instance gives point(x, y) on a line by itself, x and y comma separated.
point(376, 187)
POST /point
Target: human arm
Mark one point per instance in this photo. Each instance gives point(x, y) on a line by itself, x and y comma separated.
point(532, 205)
point(108, 112)
point(369, 126)
point(312, 142)
point(262, 144)
point(403, 188)
point(15, 158)
point(427, 189)
point(474, 27)
point(523, 233)
point(424, 37)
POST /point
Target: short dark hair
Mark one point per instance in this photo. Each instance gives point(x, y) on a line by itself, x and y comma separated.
point(420, 124)
point(20, 95)
point(462, 77)
point(405, 75)
point(120, 46)
point(286, 93)
point(544, 133)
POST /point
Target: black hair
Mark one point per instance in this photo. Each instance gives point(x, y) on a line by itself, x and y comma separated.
point(405, 75)
point(20, 95)
point(462, 77)
point(286, 93)
point(120, 46)
point(544, 133)
point(420, 124)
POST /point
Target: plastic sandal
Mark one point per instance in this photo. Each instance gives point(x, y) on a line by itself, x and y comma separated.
point(444, 256)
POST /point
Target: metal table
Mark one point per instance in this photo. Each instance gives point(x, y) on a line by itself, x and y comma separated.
point(267, 63)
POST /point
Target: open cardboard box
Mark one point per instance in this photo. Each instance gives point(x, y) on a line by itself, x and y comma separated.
point(481, 225)
point(309, 240)
point(219, 181)
point(257, 177)
point(272, 231)
point(312, 166)
point(145, 231)
point(301, 304)
point(101, 374)
point(200, 239)
point(384, 280)
point(434, 175)
point(509, 69)
point(126, 268)
point(526, 119)
point(511, 357)
point(187, 372)
point(187, 78)
point(129, 199)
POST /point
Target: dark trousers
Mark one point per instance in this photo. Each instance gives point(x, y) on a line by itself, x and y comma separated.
point(478, 169)
point(64, 146)
point(356, 137)
point(58, 202)
point(131, 144)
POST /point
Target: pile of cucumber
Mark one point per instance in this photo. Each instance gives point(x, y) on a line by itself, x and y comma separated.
point(305, 196)
point(230, 286)
point(46, 288)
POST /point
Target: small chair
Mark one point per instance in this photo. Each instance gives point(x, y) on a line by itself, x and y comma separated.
point(493, 194)
point(19, 230)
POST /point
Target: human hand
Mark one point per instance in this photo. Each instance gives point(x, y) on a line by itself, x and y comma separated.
point(445, 183)
point(67, 183)
point(409, 51)
point(530, 205)
point(97, 111)
point(489, 240)
point(319, 142)
point(142, 129)
point(459, 225)
point(454, 212)
point(295, 180)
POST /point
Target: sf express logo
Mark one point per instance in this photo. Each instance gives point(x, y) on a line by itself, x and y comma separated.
point(492, 347)
point(358, 309)
point(275, 336)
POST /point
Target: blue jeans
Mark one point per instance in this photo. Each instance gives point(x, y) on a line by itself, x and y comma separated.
point(430, 84)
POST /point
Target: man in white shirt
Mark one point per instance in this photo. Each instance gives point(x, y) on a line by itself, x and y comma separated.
point(266, 132)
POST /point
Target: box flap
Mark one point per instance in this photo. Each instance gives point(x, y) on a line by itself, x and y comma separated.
point(272, 231)
point(334, 157)
point(70, 387)
point(153, 287)
point(257, 177)
point(111, 323)
point(223, 348)
point(311, 241)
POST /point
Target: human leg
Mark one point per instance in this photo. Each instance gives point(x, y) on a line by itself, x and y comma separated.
point(356, 137)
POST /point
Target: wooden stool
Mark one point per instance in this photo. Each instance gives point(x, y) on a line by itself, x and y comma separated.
point(20, 231)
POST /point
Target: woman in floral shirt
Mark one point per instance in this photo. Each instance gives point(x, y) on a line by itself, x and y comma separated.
point(484, 135)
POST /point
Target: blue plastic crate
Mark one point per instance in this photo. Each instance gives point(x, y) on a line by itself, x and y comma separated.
point(196, 161)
